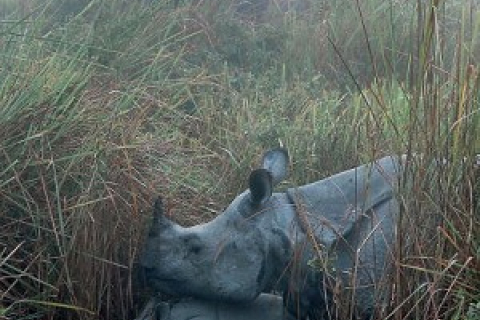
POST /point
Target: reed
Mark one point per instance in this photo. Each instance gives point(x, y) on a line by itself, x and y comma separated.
point(104, 104)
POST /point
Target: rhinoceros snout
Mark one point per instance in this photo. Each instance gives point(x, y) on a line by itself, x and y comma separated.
point(148, 271)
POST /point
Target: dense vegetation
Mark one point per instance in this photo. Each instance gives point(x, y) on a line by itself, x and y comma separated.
point(104, 104)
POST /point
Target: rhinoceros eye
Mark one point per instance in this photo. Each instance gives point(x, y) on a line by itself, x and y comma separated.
point(195, 249)
point(193, 244)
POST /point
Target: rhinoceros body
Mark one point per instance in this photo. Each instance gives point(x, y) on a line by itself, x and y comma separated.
point(265, 240)
point(265, 307)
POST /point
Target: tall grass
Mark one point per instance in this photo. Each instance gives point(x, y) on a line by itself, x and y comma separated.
point(105, 104)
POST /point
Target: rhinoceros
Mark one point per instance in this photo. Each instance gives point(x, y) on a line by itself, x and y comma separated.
point(306, 242)
point(265, 307)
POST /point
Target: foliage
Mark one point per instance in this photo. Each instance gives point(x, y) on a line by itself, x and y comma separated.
point(103, 104)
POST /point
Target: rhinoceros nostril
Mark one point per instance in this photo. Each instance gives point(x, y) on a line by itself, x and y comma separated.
point(148, 270)
point(145, 273)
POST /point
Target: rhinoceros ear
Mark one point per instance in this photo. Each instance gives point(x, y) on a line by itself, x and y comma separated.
point(276, 162)
point(159, 218)
point(261, 186)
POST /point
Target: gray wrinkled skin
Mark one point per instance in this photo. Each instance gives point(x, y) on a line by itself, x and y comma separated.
point(265, 307)
point(259, 243)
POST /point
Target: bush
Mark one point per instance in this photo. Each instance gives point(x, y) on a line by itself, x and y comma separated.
point(103, 104)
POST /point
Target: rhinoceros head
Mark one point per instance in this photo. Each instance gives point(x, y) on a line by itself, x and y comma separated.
point(228, 258)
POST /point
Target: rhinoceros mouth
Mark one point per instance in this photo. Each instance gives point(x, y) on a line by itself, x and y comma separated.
point(153, 278)
point(167, 286)
point(167, 281)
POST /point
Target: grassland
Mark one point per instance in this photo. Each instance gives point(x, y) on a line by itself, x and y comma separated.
point(105, 104)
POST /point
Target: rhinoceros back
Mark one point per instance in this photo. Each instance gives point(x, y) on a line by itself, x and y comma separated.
point(353, 214)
